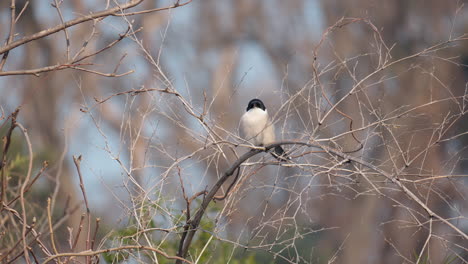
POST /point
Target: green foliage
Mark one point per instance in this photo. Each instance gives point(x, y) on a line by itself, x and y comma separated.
point(205, 247)
point(116, 256)
point(16, 168)
point(18, 163)
point(450, 259)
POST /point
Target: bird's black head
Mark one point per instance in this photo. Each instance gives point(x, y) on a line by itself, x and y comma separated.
point(256, 103)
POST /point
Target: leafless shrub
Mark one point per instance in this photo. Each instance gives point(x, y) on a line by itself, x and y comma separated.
point(376, 135)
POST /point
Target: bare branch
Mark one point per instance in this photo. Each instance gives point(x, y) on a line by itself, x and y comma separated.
point(129, 247)
point(47, 32)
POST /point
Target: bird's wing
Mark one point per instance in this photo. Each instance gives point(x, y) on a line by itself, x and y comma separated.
point(241, 127)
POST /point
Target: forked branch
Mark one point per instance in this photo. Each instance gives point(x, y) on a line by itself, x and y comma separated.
point(193, 224)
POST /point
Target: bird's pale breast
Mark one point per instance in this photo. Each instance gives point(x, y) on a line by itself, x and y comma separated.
point(253, 124)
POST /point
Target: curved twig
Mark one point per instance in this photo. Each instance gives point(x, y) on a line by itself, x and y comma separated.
point(222, 197)
point(97, 252)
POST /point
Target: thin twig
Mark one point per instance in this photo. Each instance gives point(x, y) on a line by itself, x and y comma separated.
point(6, 254)
point(98, 220)
point(51, 230)
point(23, 188)
point(56, 4)
point(22, 11)
point(98, 252)
point(6, 145)
point(222, 197)
point(77, 161)
point(30, 227)
point(80, 227)
point(50, 31)
point(44, 166)
point(177, 4)
point(12, 32)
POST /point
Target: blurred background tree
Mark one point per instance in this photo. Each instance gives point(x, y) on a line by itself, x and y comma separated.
point(152, 102)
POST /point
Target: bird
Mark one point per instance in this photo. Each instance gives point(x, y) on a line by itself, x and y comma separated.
point(257, 128)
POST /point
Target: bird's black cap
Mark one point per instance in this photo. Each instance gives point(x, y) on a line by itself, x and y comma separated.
point(256, 103)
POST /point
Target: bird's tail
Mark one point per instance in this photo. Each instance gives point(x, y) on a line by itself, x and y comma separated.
point(280, 154)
